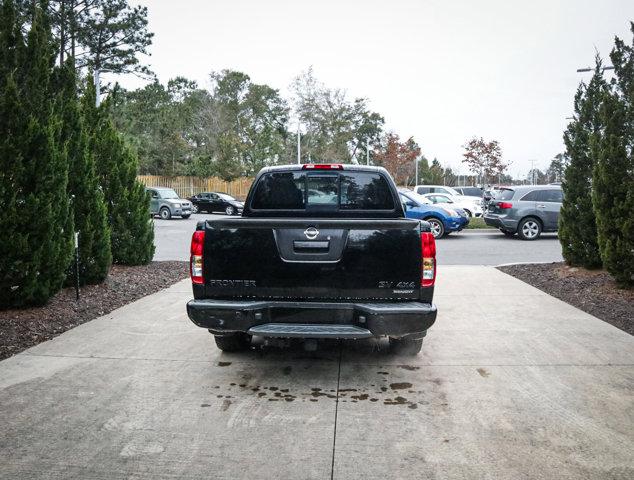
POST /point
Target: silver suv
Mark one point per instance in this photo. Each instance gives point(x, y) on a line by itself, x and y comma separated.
point(525, 210)
point(165, 203)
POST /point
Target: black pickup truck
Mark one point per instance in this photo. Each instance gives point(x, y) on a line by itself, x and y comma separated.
point(321, 251)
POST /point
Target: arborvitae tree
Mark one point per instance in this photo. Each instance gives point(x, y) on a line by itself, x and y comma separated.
point(128, 204)
point(40, 231)
point(613, 179)
point(13, 240)
point(612, 192)
point(577, 224)
point(87, 201)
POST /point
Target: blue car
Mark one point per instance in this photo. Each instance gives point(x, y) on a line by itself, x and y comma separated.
point(443, 220)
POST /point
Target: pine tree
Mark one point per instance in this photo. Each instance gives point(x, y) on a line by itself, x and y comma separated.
point(128, 204)
point(577, 223)
point(87, 202)
point(613, 179)
point(41, 229)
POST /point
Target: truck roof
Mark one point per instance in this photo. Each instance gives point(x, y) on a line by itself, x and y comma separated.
point(344, 166)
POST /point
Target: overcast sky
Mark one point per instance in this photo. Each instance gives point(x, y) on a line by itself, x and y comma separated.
point(441, 71)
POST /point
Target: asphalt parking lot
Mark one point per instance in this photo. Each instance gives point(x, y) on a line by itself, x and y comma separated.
point(500, 391)
point(479, 247)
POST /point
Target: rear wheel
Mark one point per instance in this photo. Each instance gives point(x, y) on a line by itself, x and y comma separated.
point(437, 228)
point(529, 229)
point(230, 210)
point(194, 208)
point(234, 342)
point(406, 346)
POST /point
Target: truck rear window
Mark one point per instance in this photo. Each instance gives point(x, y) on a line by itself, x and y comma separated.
point(331, 190)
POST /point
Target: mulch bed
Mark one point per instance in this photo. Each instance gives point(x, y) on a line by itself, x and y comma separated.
point(23, 328)
point(593, 291)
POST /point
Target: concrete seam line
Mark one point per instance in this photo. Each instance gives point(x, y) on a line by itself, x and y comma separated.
point(334, 435)
point(460, 365)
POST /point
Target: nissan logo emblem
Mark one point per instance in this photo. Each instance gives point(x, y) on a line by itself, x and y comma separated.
point(311, 233)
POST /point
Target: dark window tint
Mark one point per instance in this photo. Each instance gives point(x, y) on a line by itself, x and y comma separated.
point(423, 190)
point(365, 191)
point(471, 191)
point(283, 190)
point(555, 196)
point(323, 190)
point(531, 196)
point(345, 190)
point(504, 194)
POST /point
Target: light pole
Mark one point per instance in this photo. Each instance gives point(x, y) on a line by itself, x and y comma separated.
point(588, 69)
point(367, 152)
point(416, 170)
point(299, 147)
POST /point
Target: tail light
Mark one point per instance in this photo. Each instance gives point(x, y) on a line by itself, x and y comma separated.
point(505, 205)
point(428, 247)
point(322, 166)
point(196, 258)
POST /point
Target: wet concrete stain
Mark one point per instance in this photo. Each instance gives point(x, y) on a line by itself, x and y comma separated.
point(390, 394)
point(395, 401)
point(363, 396)
point(408, 367)
point(224, 364)
point(400, 385)
point(483, 372)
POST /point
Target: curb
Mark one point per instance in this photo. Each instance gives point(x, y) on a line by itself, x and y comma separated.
point(522, 263)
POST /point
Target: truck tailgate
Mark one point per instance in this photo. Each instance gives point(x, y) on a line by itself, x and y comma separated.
point(312, 259)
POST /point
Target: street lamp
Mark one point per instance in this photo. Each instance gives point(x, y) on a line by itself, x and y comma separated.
point(588, 69)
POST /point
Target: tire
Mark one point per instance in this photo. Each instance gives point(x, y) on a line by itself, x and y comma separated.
point(406, 346)
point(230, 210)
point(468, 212)
point(194, 208)
point(437, 228)
point(185, 217)
point(165, 213)
point(234, 342)
point(529, 229)
point(508, 233)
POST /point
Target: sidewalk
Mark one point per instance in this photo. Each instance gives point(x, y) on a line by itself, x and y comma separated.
point(511, 383)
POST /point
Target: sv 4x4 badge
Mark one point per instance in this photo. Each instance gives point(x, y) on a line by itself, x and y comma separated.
point(399, 285)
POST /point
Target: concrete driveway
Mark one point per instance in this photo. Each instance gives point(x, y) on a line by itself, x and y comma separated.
point(512, 383)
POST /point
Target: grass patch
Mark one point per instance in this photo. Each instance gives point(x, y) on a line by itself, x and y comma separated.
point(477, 222)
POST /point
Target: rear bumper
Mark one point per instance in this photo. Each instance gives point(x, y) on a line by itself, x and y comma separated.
point(500, 221)
point(312, 319)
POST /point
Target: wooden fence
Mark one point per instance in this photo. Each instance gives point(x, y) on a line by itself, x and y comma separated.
point(188, 186)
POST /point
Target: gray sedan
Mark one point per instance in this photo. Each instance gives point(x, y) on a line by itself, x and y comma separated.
point(525, 210)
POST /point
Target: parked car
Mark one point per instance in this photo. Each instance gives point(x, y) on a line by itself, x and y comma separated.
point(445, 190)
point(322, 251)
point(449, 191)
point(166, 203)
point(443, 219)
point(525, 210)
point(469, 191)
point(216, 202)
point(472, 209)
